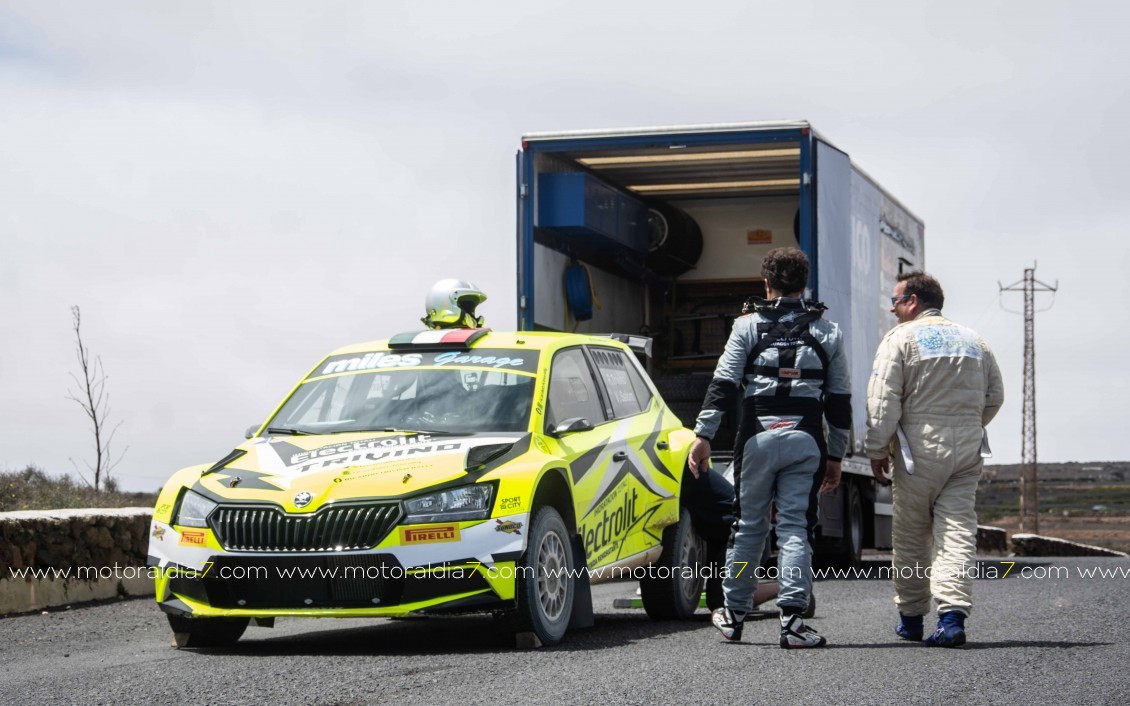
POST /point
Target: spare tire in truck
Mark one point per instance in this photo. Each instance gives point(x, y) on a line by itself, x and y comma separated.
point(674, 240)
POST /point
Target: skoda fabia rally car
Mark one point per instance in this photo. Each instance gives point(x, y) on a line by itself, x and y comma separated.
point(439, 471)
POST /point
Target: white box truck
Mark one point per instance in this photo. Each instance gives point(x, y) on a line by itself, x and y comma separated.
point(661, 231)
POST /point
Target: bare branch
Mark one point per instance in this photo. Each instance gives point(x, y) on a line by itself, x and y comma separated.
point(78, 473)
point(94, 400)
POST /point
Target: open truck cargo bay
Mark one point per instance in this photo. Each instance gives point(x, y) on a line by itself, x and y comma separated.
point(671, 225)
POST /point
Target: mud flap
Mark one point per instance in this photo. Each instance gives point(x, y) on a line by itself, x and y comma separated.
point(582, 615)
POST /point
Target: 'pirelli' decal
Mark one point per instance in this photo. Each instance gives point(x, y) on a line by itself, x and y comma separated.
point(192, 538)
point(429, 534)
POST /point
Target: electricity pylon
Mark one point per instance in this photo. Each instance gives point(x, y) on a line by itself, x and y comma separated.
point(1029, 492)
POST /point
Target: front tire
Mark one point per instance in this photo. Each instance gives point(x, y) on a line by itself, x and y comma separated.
point(207, 632)
point(546, 581)
point(673, 586)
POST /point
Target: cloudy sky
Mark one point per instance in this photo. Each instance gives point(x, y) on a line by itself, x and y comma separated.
point(230, 190)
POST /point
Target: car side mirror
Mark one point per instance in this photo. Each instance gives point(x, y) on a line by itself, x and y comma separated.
point(571, 425)
point(250, 431)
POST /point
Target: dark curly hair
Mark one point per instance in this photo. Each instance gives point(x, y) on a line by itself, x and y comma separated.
point(928, 290)
point(785, 270)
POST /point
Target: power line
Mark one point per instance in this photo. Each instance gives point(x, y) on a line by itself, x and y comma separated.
point(1029, 491)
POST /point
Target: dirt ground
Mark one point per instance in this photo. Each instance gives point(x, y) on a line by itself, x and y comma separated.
point(1110, 532)
point(1087, 503)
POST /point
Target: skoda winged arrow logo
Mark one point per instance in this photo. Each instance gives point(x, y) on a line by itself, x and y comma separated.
point(303, 499)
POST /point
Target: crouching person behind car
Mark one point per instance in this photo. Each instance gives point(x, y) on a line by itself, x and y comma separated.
point(794, 372)
point(709, 497)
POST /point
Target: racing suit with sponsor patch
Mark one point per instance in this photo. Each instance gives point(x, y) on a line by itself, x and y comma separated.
point(934, 387)
point(789, 367)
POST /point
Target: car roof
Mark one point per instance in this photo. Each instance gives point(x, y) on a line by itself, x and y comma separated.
point(518, 340)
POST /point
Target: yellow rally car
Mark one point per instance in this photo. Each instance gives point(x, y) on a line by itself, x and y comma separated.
point(438, 471)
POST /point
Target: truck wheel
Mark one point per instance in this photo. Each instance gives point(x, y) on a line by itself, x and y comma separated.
point(674, 240)
point(545, 579)
point(849, 554)
point(207, 632)
point(673, 586)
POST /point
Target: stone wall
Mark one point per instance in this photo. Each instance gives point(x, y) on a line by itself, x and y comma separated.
point(1037, 545)
point(992, 540)
point(53, 558)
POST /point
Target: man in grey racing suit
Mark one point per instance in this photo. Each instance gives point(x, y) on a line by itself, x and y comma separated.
point(792, 366)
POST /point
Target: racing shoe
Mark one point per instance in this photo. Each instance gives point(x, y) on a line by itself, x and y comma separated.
point(909, 627)
point(729, 623)
point(950, 632)
point(795, 635)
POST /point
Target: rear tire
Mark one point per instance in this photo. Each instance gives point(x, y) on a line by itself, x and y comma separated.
point(810, 609)
point(546, 585)
point(673, 586)
point(715, 561)
point(849, 553)
point(207, 632)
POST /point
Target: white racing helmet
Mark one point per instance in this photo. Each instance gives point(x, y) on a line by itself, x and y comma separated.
point(451, 304)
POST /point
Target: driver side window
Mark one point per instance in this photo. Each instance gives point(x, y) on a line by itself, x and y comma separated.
point(572, 390)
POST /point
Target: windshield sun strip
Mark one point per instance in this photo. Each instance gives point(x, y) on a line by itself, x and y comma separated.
point(421, 367)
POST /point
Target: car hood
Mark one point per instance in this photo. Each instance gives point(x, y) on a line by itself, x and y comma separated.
point(341, 466)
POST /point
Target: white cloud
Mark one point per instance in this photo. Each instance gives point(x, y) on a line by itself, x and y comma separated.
point(232, 189)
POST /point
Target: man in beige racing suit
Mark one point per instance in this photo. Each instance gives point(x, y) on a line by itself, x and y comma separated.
point(933, 388)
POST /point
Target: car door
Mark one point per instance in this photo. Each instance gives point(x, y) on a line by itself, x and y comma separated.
point(593, 451)
point(644, 481)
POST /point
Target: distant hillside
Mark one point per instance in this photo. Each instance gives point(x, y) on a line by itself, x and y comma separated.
point(1093, 471)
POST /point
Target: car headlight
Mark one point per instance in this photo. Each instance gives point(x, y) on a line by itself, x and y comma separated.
point(194, 510)
point(470, 502)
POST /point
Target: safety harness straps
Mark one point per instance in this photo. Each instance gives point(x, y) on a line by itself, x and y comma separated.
point(788, 373)
point(792, 332)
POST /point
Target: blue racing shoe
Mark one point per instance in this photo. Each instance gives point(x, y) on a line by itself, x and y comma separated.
point(909, 627)
point(950, 632)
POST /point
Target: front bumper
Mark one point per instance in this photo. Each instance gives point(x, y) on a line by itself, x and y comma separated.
point(416, 568)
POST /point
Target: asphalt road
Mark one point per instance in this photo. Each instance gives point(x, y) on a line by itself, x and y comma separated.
point(1033, 640)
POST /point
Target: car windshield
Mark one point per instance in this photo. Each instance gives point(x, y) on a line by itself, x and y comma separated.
point(456, 400)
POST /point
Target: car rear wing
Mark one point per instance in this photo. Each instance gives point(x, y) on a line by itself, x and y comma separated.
point(640, 345)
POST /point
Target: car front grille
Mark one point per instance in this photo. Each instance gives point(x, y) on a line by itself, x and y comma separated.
point(334, 528)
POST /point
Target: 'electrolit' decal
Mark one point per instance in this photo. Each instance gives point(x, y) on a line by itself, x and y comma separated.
point(286, 459)
point(333, 450)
